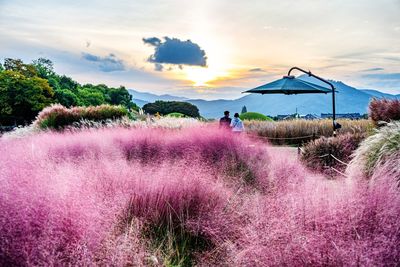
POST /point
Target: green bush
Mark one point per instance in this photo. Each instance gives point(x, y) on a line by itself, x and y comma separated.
point(254, 116)
point(58, 116)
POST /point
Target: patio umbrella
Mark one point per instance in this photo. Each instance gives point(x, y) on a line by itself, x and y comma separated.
point(290, 85)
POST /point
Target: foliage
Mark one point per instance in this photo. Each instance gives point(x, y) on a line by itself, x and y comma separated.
point(22, 97)
point(378, 149)
point(384, 110)
point(44, 67)
point(254, 116)
point(151, 197)
point(25, 89)
point(58, 117)
point(166, 107)
point(244, 110)
point(316, 154)
point(301, 131)
point(19, 66)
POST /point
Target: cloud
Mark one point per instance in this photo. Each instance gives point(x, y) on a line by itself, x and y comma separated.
point(373, 69)
point(158, 67)
point(154, 41)
point(176, 52)
point(108, 63)
point(257, 70)
point(383, 76)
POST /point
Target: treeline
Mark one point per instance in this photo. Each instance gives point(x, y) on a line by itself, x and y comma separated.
point(167, 107)
point(25, 89)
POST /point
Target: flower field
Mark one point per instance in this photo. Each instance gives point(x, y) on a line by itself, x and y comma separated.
point(193, 195)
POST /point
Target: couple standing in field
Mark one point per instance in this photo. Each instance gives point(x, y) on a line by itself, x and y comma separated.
point(236, 125)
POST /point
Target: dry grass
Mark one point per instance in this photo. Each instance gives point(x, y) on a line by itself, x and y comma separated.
point(301, 131)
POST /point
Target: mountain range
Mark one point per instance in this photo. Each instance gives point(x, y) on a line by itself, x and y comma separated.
point(348, 100)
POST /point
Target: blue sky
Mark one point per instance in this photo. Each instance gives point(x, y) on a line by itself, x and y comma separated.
point(210, 48)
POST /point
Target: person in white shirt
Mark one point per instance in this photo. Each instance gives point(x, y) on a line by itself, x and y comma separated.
point(237, 124)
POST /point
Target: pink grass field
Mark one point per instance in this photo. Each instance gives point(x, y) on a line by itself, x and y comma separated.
point(97, 197)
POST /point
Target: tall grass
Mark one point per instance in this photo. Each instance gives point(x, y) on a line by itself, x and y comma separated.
point(301, 131)
point(317, 154)
point(379, 149)
point(384, 110)
point(194, 196)
point(58, 116)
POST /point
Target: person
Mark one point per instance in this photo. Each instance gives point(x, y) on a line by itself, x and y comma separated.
point(225, 121)
point(237, 124)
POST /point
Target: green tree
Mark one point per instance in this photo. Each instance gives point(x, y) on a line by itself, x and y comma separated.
point(23, 97)
point(67, 98)
point(44, 67)
point(166, 107)
point(244, 110)
point(18, 65)
point(66, 82)
point(90, 98)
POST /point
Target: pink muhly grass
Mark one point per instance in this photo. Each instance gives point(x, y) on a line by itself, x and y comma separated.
point(191, 196)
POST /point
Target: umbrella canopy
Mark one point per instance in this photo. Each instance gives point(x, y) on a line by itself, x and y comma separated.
point(289, 85)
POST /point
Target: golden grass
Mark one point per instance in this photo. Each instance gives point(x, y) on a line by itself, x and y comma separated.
point(300, 131)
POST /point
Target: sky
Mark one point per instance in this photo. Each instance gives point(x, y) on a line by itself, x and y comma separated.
point(207, 49)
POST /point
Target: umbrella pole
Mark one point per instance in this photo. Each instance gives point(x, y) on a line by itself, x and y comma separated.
point(333, 94)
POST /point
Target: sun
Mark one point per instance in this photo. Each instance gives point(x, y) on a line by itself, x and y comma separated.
point(200, 76)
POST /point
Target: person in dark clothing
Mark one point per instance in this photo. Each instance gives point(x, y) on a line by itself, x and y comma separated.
point(225, 121)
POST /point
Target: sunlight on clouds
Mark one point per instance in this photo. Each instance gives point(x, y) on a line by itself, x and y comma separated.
point(202, 76)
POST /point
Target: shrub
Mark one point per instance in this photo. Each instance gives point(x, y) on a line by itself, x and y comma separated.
point(316, 154)
point(58, 117)
point(379, 149)
point(384, 110)
point(254, 116)
point(301, 131)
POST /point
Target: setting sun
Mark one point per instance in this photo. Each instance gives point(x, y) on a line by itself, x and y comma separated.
point(202, 76)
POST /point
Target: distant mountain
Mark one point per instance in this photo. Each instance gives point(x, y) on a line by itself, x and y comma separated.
point(348, 100)
point(378, 94)
point(141, 98)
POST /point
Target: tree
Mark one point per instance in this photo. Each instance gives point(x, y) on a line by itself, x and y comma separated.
point(90, 97)
point(44, 67)
point(66, 82)
point(18, 65)
point(67, 98)
point(166, 107)
point(244, 110)
point(23, 97)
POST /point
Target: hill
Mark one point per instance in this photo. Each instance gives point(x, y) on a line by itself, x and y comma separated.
point(348, 100)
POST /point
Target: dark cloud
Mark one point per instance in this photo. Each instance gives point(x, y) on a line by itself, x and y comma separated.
point(257, 70)
point(176, 52)
point(106, 64)
point(373, 69)
point(383, 76)
point(154, 41)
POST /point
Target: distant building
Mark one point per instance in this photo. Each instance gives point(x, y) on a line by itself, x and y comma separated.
point(352, 116)
point(310, 117)
point(287, 117)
